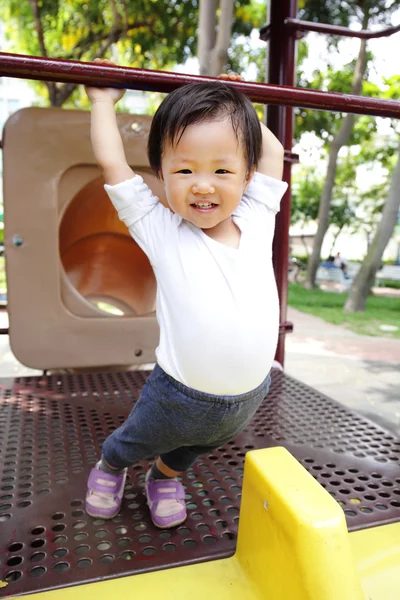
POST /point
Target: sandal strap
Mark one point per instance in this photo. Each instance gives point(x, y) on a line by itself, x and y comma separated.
point(155, 489)
point(95, 484)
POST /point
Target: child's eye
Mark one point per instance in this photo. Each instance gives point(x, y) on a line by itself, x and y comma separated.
point(185, 171)
point(221, 171)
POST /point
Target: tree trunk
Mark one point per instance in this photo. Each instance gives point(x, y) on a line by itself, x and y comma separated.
point(340, 140)
point(207, 33)
point(366, 276)
point(335, 237)
point(213, 45)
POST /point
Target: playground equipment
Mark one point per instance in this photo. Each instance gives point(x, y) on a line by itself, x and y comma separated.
point(292, 542)
point(69, 238)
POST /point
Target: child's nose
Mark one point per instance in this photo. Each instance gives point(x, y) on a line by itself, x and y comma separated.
point(203, 186)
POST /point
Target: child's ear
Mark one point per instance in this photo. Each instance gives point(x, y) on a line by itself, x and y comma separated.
point(249, 177)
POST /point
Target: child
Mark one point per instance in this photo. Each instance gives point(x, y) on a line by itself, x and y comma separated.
point(217, 303)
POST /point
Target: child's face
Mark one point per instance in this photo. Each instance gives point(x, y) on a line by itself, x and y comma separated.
point(205, 174)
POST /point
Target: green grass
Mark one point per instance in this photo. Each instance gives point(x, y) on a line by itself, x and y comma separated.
point(390, 284)
point(329, 307)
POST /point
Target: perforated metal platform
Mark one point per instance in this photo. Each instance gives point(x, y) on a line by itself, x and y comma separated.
point(51, 431)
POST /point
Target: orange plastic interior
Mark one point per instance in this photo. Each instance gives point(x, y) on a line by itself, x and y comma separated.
point(101, 260)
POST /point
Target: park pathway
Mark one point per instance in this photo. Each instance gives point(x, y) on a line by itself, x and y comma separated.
point(362, 372)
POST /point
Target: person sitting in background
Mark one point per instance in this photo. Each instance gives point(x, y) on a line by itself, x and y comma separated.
point(329, 263)
point(341, 263)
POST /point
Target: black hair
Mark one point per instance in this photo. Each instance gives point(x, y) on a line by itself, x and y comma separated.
point(198, 102)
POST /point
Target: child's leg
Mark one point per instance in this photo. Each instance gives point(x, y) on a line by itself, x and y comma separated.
point(149, 431)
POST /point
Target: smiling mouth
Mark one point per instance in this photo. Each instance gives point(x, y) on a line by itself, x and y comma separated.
point(203, 205)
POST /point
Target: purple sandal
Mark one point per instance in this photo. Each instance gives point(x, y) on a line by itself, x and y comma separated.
point(165, 489)
point(104, 495)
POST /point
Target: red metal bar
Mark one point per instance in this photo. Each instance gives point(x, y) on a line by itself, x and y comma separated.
point(299, 25)
point(281, 70)
point(69, 71)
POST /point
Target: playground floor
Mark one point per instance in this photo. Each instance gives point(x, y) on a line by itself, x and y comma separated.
point(359, 371)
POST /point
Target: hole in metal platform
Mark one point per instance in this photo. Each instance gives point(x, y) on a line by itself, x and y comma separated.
point(57, 516)
point(169, 547)
point(37, 571)
point(61, 567)
point(84, 563)
point(13, 576)
point(103, 533)
point(14, 561)
point(83, 548)
point(15, 546)
point(76, 503)
point(120, 530)
point(129, 554)
point(38, 556)
point(144, 539)
point(60, 539)
point(60, 552)
point(209, 539)
point(4, 517)
point(106, 558)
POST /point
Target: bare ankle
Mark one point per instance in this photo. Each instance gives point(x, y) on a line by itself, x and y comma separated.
point(166, 470)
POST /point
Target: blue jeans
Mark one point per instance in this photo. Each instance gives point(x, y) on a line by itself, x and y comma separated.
point(178, 423)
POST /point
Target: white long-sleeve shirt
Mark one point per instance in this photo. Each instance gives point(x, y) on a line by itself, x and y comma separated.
point(217, 306)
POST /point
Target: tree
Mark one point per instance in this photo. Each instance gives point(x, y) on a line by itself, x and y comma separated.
point(306, 193)
point(213, 43)
point(218, 35)
point(366, 276)
point(141, 33)
point(368, 11)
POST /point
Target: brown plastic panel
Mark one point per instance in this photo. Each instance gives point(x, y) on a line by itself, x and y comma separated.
point(66, 248)
point(51, 431)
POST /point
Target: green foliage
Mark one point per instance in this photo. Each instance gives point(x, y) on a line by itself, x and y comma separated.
point(140, 33)
point(326, 124)
point(337, 12)
point(306, 193)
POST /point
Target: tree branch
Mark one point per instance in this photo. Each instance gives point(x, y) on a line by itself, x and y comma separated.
point(52, 88)
point(115, 34)
point(38, 26)
point(116, 16)
point(64, 91)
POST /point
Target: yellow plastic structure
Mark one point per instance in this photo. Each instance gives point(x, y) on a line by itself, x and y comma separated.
point(377, 553)
point(293, 545)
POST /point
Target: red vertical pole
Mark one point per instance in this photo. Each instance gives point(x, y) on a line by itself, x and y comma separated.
point(281, 70)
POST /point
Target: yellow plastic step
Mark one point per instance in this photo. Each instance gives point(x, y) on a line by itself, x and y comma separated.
point(292, 545)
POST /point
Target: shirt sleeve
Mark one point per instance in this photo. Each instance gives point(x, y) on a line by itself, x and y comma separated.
point(266, 191)
point(148, 221)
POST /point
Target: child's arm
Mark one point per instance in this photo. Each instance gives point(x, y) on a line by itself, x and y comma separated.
point(104, 133)
point(271, 162)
